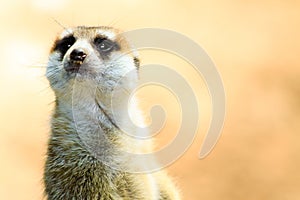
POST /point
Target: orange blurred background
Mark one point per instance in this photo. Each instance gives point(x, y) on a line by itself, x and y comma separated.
point(254, 44)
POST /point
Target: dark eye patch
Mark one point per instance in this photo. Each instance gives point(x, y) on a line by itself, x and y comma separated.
point(64, 44)
point(105, 46)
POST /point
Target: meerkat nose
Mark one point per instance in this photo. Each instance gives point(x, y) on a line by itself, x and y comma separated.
point(77, 55)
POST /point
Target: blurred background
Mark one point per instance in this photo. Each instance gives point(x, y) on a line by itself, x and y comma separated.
point(254, 44)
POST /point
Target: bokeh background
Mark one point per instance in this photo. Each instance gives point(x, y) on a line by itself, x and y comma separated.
point(254, 44)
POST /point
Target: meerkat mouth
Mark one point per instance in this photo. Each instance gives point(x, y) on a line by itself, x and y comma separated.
point(73, 66)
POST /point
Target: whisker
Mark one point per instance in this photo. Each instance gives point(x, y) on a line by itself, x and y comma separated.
point(52, 74)
point(37, 66)
point(53, 68)
point(57, 22)
point(114, 22)
point(118, 20)
point(52, 102)
point(44, 90)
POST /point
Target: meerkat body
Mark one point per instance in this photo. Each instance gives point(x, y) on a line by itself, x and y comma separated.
point(84, 66)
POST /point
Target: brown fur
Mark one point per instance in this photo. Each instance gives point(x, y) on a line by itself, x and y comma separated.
point(72, 172)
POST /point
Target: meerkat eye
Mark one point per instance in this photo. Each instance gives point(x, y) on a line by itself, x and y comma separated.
point(104, 45)
point(64, 44)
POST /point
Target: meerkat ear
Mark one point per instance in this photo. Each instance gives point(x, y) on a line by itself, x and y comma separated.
point(136, 62)
point(135, 55)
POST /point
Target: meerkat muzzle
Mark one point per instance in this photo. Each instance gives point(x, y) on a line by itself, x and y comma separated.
point(77, 57)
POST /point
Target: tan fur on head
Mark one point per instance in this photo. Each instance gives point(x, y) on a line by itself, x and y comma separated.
point(93, 32)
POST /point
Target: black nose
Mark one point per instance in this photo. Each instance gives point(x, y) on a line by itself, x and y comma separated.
point(77, 55)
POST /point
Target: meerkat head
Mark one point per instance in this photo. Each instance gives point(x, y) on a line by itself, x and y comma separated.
point(90, 56)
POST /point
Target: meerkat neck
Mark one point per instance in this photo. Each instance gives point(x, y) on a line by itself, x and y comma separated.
point(71, 161)
point(83, 121)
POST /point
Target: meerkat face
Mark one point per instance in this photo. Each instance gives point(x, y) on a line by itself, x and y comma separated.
point(90, 56)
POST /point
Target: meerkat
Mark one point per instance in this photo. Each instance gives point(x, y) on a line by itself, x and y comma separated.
point(91, 60)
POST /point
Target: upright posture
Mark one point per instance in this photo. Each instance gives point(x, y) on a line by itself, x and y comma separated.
point(84, 158)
